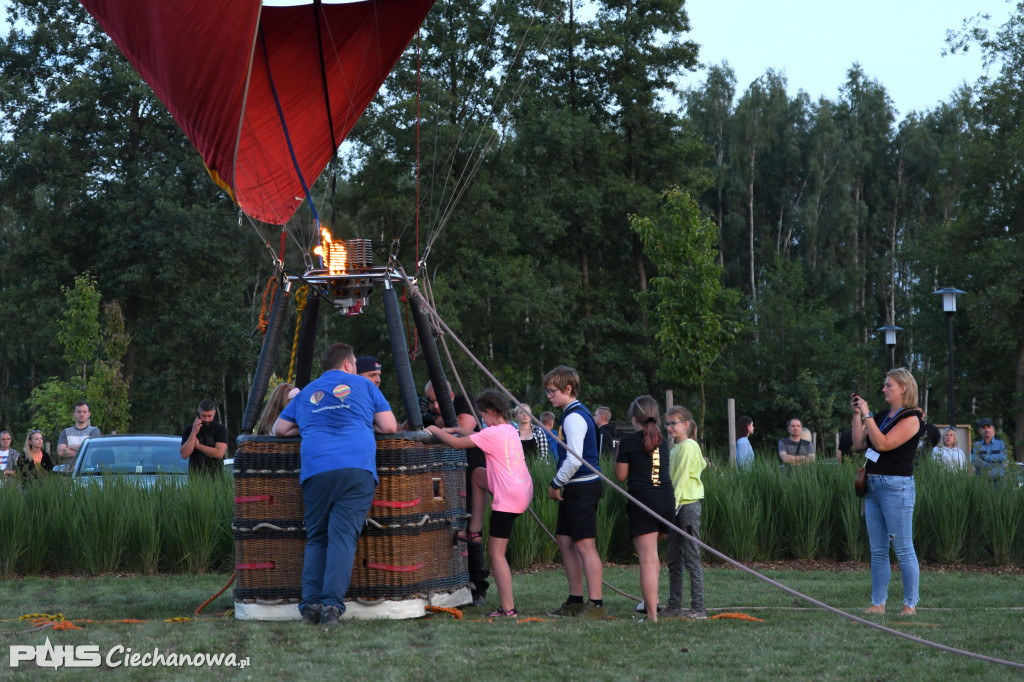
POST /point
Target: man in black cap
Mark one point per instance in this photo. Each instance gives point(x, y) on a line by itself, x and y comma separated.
point(369, 367)
point(988, 454)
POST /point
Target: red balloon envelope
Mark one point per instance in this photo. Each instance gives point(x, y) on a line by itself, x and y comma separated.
point(216, 64)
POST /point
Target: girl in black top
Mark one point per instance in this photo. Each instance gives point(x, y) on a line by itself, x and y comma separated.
point(643, 462)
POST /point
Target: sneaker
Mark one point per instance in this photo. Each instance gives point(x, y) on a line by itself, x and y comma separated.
point(568, 610)
point(311, 614)
point(671, 612)
point(330, 616)
point(642, 607)
point(695, 614)
point(479, 600)
point(592, 612)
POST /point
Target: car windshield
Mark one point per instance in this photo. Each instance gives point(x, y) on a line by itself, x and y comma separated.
point(132, 457)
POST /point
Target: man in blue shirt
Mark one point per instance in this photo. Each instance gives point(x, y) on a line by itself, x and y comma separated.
point(336, 415)
point(989, 454)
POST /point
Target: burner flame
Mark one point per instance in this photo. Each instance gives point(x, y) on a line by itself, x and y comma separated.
point(334, 254)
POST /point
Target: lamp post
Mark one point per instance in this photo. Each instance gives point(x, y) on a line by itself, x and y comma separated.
point(890, 341)
point(949, 295)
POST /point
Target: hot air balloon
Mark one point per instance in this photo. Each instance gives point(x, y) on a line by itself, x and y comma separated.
point(266, 92)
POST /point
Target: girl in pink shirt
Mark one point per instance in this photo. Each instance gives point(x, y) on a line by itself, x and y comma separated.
point(505, 477)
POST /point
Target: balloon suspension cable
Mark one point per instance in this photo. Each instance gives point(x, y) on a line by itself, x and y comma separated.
point(440, 335)
point(394, 264)
point(419, 31)
point(287, 136)
point(670, 523)
point(317, 10)
point(469, 172)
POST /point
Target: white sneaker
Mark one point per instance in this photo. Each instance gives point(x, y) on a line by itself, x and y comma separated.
point(642, 607)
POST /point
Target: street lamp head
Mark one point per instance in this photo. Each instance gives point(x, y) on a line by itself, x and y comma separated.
point(949, 295)
point(890, 333)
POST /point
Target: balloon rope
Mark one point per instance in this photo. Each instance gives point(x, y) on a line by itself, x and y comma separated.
point(441, 325)
point(317, 10)
point(287, 137)
point(418, 74)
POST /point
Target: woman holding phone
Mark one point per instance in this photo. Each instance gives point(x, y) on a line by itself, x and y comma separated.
point(890, 438)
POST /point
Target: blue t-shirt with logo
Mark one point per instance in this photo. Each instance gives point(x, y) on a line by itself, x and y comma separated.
point(335, 418)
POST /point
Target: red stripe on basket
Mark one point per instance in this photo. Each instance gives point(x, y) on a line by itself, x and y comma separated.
point(254, 498)
point(396, 569)
point(264, 565)
point(396, 505)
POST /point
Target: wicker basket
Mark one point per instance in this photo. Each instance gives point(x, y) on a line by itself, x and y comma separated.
point(407, 547)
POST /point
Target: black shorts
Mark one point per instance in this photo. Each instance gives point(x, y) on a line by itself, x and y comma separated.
point(577, 512)
point(501, 524)
point(661, 500)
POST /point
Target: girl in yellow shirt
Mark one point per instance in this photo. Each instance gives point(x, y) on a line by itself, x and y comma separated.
point(685, 465)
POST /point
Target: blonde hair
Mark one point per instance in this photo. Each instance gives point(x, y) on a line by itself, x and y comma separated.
point(684, 415)
point(29, 438)
point(276, 403)
point(903, 377)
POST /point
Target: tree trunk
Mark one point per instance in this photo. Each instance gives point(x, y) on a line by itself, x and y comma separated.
point(750, 229)
point(891, 312)
point(703, 411)
point(641, 275)
point(588, 341)
point(720, 211)
point(1018, 385)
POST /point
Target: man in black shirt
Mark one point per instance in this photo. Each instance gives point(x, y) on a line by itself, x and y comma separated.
point(204, 442)
point(606, 435)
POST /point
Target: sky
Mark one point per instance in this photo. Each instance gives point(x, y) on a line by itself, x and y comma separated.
point(899, 43)
point(814, 42)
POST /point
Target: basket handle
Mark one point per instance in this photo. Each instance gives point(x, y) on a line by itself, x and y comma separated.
point(258, 566)
point(394, 569)
point(396, 505)
point(254, 498)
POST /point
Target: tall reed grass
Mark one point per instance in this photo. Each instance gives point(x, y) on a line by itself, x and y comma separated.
point(760, 514)
point(943, 510)
point(56, 525)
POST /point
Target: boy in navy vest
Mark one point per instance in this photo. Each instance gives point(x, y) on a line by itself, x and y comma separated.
point(578, 491)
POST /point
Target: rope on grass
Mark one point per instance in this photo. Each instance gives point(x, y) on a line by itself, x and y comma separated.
point(552, 537)
point(220, 592)
point(671, 524)
point(42, 616)
point(453, 612)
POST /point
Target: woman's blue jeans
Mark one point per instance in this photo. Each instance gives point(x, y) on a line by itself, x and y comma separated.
point(889, 512)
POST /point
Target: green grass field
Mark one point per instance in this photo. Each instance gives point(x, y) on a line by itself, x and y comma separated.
point(980, 612)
